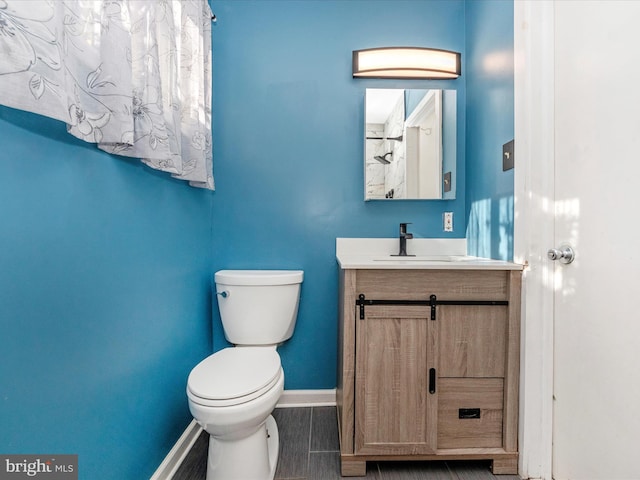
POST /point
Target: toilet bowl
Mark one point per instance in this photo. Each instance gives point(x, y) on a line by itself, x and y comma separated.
point(232, 393)
point(238, 419)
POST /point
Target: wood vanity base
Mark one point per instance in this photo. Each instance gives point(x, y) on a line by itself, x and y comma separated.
point(422, 380)
point(502, 463)
point(507, 465)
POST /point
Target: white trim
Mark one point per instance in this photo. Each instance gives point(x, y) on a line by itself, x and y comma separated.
point(534, 226)
point(431, 103)
point(307, 398)
point(174, 458)
point(289, 398)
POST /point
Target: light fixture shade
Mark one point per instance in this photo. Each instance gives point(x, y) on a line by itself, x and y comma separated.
point(406, 62)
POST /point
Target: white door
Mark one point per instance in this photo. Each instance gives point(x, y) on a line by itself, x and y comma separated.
point(594, 207)
point(596, 411)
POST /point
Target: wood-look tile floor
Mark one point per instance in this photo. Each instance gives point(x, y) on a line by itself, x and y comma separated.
point(309, 450)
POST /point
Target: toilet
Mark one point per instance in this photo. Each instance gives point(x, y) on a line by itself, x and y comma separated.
point(232, 393)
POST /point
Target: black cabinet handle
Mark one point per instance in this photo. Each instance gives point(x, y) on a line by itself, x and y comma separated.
point(432, 380)
point(465, 413)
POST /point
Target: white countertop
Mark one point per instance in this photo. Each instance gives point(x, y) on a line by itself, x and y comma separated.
point(428, 253)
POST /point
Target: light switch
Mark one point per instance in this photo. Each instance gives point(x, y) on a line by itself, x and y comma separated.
point(507, 156)
point(447, 182)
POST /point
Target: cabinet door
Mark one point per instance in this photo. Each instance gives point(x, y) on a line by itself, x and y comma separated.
point(395, 413)
point(472, 340)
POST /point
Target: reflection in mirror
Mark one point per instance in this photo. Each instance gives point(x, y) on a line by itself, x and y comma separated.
point(410, 144)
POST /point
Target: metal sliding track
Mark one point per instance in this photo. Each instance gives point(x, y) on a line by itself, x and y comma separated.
point(433, 302)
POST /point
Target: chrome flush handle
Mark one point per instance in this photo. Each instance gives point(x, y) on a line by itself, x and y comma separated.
point(223, 294)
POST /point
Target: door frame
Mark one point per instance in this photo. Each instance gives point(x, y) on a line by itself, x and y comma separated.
point(415, 163)
point(534, 216)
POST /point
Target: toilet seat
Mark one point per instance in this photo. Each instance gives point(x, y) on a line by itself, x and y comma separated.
point(234, 375)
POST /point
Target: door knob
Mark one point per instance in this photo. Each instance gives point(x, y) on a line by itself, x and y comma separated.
point(565, 254)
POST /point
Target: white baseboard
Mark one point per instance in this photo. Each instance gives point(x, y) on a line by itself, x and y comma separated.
point(289, 398)
point(307, 398)
point(174, 458)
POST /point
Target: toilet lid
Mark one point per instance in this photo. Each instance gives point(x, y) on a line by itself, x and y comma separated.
point(234, 372)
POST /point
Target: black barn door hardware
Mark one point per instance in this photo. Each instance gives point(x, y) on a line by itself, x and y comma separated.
point(433, 302)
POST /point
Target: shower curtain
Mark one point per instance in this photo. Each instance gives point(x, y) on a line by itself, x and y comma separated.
point(132, 76)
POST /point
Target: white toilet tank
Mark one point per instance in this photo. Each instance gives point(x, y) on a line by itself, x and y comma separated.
point(258, 307)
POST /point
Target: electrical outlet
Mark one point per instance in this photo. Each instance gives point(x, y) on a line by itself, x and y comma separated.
point(447, 221)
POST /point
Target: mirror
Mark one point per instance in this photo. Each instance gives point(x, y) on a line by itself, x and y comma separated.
point(410, 144)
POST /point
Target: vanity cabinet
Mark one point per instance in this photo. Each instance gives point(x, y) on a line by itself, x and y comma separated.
point(428, 366)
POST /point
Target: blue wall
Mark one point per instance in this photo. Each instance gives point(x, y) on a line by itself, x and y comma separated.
point(104, 301)
point(288, 147)
point(490, 100)
point(104, 280)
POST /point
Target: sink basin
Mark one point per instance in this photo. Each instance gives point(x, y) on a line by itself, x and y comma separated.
point(424, 258)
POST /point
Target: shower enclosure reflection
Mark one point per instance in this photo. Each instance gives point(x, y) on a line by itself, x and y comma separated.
point(410, 144)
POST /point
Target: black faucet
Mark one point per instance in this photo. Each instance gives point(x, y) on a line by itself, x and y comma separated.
point(404, 236)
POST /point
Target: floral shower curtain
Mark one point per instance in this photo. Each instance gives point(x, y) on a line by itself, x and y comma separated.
point(132, 76)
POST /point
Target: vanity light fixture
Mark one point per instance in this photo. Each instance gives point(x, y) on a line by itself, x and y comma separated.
point(406, 62)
